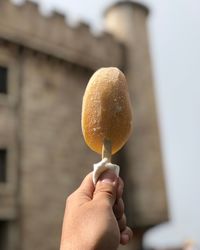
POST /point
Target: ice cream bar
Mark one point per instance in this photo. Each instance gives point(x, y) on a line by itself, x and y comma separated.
point(106, 111)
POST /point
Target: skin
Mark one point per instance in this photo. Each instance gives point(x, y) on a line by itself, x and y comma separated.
point(94, 216)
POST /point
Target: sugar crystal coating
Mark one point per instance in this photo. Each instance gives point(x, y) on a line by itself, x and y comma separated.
point(106, 110)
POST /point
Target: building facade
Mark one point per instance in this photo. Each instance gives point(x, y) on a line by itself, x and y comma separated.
point(44, 67)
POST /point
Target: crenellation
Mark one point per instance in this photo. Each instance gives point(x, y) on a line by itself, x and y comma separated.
point(58, 17)
point(83, 27)
point(30, 6)
point(106, 35)
point(108, 39)
point(26, 26)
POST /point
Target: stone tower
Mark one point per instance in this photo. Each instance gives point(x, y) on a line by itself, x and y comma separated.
point(44, 67)
point(145, 188)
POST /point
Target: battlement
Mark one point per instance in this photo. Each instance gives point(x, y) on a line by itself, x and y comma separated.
point(26, 26)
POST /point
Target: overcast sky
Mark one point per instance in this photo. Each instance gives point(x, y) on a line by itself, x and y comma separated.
point(174, 29)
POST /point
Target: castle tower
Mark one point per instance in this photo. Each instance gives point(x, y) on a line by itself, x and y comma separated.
point(44, 66)
point(146, 201)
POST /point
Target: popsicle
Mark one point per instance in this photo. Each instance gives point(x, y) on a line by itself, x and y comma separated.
point(106, 112)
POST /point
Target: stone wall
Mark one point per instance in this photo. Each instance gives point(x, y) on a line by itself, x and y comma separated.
point(52, 35)
point(49, 65)
point(9, 141)
point(8, 135)
point(54, 157)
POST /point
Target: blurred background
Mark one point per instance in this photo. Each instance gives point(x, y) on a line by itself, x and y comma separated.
point(157, 45)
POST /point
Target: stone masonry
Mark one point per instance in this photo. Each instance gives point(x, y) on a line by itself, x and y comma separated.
point(48, 66)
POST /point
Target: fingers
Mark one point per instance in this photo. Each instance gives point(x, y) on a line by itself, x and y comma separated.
point(106, 188)
point(122, 223)
point(126, 236)
point(118, 208)
point(120, 188)
point(126, 233)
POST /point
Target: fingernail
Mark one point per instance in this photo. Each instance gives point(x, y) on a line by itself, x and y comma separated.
point(108, 177)
point(126, 237)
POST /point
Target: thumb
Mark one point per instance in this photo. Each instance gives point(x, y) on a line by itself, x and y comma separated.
point(106, 187)
point(85, 191)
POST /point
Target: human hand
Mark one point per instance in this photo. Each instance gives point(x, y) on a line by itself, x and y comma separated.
point(94, 216)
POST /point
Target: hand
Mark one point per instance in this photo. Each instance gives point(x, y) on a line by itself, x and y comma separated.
point(94, 216)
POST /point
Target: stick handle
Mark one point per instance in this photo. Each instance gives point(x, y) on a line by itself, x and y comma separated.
point(107, 149)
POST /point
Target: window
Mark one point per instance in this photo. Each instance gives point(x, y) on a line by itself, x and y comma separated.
point(3, 80)
point(3, 234)
point(3, 157)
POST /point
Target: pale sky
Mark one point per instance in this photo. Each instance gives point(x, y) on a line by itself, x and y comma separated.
point(174, 29)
